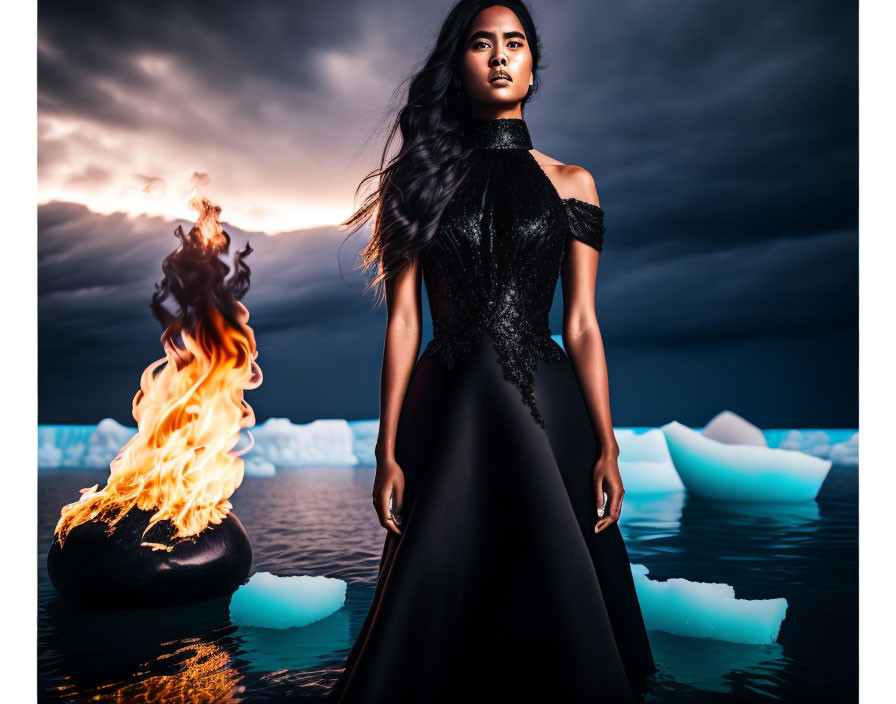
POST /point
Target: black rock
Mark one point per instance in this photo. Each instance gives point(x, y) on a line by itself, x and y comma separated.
point(112, 570)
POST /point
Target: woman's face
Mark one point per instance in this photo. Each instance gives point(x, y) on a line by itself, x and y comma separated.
point(496, 46)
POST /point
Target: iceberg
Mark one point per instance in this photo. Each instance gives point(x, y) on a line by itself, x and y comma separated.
point(258, 467)
point(81, 446)
point(812, 442)
point(106, 441)
point(320, 442)
point(62, 445)
point(730, 428)
point(278, 443)
point(707, 610)
point(822, 443)
point(645, 463)
point(365, 433)
point(723, 472)
point(846, 452)
point(270, 601)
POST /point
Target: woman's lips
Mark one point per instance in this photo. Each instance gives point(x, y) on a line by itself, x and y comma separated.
point(500, 77)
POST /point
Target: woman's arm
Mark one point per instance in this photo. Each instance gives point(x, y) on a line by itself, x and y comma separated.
point(404, 330)
point(584, 347)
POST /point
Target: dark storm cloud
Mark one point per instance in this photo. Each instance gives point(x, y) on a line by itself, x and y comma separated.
point(320, 340)
point(781, 288)
point(708, 124)
point(696, 118)
point(96, 333)
point(722, 137)
point(259, 60)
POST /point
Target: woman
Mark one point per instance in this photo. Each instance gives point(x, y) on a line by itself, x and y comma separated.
point(504, 576)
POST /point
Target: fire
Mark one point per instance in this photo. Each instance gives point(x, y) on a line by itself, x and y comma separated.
point(190, 408)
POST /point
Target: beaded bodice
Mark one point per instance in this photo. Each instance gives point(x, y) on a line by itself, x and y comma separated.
point(496, 258)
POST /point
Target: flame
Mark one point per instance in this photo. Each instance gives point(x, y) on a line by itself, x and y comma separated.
point(208, 224)
point(190, 408)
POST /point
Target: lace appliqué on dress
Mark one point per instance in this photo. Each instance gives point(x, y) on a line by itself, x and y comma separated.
point(519, 347)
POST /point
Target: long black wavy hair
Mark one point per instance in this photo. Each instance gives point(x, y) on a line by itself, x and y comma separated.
point(415, 184)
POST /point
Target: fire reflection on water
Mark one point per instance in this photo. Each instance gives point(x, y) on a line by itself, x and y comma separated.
point(205, 674)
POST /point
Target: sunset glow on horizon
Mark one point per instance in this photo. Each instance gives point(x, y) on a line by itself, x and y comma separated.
point(273, 221)
point(109, 172)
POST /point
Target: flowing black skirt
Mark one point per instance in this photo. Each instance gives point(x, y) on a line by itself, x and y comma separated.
point(498, 588)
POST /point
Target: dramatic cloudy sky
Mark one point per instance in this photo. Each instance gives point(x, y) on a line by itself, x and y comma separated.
point(723, 137)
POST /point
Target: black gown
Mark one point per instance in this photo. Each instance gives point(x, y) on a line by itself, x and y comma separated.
point(498, 588)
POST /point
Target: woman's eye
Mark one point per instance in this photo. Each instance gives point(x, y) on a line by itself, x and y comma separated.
point(517, 43)
point(479, 43)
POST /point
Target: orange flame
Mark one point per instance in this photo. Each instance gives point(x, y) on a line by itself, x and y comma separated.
point(189, 417)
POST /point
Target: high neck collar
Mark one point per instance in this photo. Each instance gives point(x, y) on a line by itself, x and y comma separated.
point(499, 133)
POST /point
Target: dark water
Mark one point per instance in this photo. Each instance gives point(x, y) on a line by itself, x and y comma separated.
point(320, 521)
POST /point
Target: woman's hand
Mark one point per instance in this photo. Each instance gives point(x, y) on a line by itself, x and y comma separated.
point(389, 482)
point(607, 479)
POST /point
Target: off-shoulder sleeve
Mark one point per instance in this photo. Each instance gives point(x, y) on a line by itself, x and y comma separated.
point(586, 222)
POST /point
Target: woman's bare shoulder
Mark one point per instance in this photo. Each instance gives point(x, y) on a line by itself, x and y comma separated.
point(544, 159)
point(571, 181)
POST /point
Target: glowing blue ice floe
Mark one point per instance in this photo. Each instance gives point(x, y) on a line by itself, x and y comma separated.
point(726, 472)
point(270, 601)
point(645, 464)
point(706, 610)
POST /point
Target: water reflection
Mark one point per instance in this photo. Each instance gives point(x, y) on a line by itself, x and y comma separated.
point(651, 516)
point(312, 646)
point(714, 665)
point(800, 516)
point(93, 648)
point(201, 673)
point(320, 521)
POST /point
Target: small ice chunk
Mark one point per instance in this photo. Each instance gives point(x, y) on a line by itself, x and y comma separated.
point(706, 610)
point(730, 428)
point(722, 472)
point(645, 464)
point(271, 601)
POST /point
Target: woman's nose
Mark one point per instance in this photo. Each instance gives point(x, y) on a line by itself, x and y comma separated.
point(499, 59)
